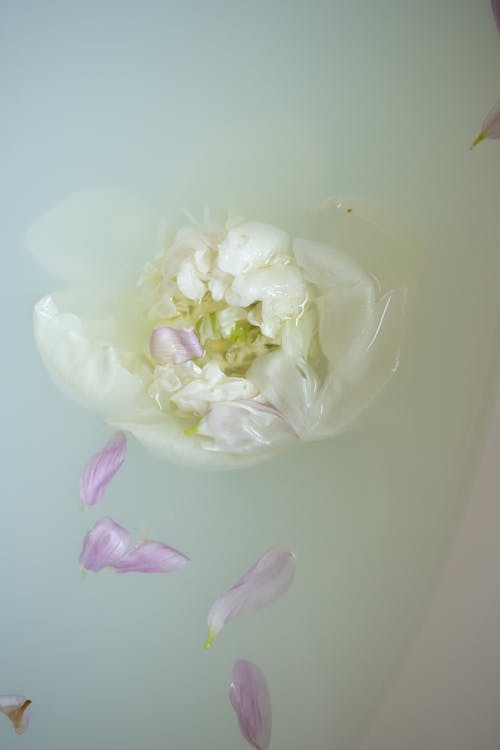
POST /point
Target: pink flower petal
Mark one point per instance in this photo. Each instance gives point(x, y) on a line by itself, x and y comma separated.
point(267, 580)
point(150, 557)
point(490, 127)
point(495, 7)
point(174, 345)
point(249, 696)
point(104, 545)
point(17, 709)
point(101, 468)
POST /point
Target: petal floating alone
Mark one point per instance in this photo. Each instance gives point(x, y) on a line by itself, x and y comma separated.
point(101, 468)
point(267, 580)
point(150, 557)
point(17, 709)
point(495, 6)
point(249, 696)
point(104, 545)
point(491, 126)
point(174, 345)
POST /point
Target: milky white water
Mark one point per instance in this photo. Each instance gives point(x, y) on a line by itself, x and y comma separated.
point(266, 108)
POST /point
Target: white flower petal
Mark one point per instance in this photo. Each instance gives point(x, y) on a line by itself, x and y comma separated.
point(325, 265)
point(189, 282)
point(210, 387)
point(95, 235)
point(165, 439)
point(244, 426)
point(370, 363)
point(251, 245)
point(87, 371)
point(288, 385)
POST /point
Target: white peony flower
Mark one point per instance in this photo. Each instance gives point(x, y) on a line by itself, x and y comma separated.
point(227, 342)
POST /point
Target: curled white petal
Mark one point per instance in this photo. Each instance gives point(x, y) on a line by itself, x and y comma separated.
point(244, 426)
point(251, 245)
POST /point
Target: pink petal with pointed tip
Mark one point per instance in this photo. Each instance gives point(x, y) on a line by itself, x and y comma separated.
point(174, 345)
point(17, 709)
point(267, 580)
point(491, 124)
point(104, 545)
point(249, 696)
point(101, 468)
point(495, 7)
point(150, 557)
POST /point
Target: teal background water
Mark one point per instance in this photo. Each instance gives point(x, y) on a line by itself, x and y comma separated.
point(296, 100)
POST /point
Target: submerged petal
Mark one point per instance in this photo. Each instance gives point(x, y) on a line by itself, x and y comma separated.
point(150, 557)
point(244, 426)
point(249, 696)
point(174, 345)
point(264, 582)
point(490, 127)
point(17, 709)
point(101, 468)
point(251, 245)
point(104, 545)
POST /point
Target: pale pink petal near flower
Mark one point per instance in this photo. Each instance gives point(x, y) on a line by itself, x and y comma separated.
point(101, 468)
point(174, 345)
point(150, 557)
point(249, 696)
point(264, 582)
point(491, 126)
point(495, 7)
point(17, 709)
point(104, 545)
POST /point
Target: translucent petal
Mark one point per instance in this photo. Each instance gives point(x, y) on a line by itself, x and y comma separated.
point(88, 370)
point(251, 245)
point(241, 426)
point(150, 557)
point(104, 545)
point(262, 584)
point(249, 696)
point(101, 468)
point(287, 384)
point(96, 235)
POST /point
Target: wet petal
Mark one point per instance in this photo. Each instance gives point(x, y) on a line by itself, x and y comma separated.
point(244, 426)
point(174, 345)
point(101, 468)
point(17, 709)
point(267, 580)
point(490, 127)
point(81, 365)
point(251, 245)
point(249, 696)
point(104, 545)
point(150, 557)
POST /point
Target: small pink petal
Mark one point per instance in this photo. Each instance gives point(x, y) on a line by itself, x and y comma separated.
point(174, 345)
point(104, 545)
point(101, 468)
point(150, 557)
point(495, 7)
point(17, 709)
point(267, 580)
point(490, 127)
point(249, 696)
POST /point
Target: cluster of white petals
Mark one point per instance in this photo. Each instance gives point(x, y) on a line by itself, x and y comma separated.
point(235, 340)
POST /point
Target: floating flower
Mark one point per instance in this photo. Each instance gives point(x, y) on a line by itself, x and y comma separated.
point(106, 546)
point(233, 342)
point(101, 468)
point(264, 582)
point(249, 696)
point(490, 127)
point(17, 709)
